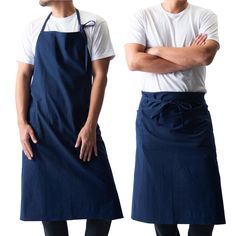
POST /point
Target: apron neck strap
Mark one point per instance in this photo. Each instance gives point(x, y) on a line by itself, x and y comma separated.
point(79, 20)
point(78, 16)
point(44, 25)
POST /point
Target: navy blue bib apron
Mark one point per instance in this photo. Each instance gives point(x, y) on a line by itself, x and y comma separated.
point(56, 184)
point(176, 177)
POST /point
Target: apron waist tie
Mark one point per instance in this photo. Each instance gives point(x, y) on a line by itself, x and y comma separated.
point(157, 109)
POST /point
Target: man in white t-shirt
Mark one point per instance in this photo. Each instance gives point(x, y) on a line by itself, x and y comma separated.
point(176, 173)
point(61, 79)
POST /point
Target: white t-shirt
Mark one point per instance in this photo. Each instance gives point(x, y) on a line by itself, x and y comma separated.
point(155, 26)
point(98, 37)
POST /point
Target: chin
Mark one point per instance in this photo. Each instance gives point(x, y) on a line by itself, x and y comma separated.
point(44, 3)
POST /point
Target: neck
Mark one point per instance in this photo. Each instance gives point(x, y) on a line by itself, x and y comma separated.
point(174, 6)
point(62, 8)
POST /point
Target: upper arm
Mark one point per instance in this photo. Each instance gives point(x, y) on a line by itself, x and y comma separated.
point(209, 25)
point(135, 39)
point(209, 51)
point(101, 45)
point(25, 51)
point(136, 30)
point(100, 67)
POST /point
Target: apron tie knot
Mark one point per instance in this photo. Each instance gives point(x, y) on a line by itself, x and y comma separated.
point(157, 109)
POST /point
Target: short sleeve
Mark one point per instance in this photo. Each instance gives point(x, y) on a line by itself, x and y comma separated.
point(136, 29)
point(25, 52)
point(209, 26)
point(101, 42)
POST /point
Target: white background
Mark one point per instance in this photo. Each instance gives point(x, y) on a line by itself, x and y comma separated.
point(118, 113)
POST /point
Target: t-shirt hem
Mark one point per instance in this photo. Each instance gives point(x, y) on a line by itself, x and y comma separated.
point(105, 55)
point(135, 42)
point(215, 39)
point(25, 61)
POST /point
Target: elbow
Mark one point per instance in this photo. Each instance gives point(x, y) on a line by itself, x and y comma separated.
point(133, 62)
point(207, 57)
point(207, 60)
point(133, 65)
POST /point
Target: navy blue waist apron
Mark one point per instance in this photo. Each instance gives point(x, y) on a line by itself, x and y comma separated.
point(176, 178)
point(56, 184)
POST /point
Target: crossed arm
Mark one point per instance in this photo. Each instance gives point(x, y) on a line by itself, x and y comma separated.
point(169, 59)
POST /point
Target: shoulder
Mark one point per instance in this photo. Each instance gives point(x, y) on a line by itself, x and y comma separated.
point(148, 10)
point(32, 29)
point(35, 25)
point(144, 14)
point(99, 42)
point(201, 12)
point(38, 22)
point(86, 17)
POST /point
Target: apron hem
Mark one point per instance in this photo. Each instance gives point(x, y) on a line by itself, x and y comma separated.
point(72, 218)
point(189, 221)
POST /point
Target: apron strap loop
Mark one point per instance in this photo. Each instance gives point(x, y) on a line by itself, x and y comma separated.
point(90, 23)
point(82, 26)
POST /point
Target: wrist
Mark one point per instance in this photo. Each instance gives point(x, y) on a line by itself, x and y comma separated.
point(155, 51)
point(22, 122)
point(91, 124)
point(158, 51)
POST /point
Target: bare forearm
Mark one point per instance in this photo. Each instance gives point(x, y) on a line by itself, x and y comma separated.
point(189, 57)
point(22, 99)
point(22, 92)
point(96, 100)
point(186, 56)
point(145, 62)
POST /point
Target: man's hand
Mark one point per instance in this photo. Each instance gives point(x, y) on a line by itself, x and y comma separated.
point(23, 80)
point(27, 133)
point(87, 140)
point(87, 135)
point(200, 40)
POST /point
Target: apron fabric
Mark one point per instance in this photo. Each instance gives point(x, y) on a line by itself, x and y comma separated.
point(176, 178)
point(56, 184)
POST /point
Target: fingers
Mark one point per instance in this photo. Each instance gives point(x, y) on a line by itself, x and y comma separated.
point(83, 151)
point(27, 148)
point(27, 134)
point(95, 150)
point(32, 135)
point(86, 151)
point(78, 142)
point(200, 40)
point(87, 148)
